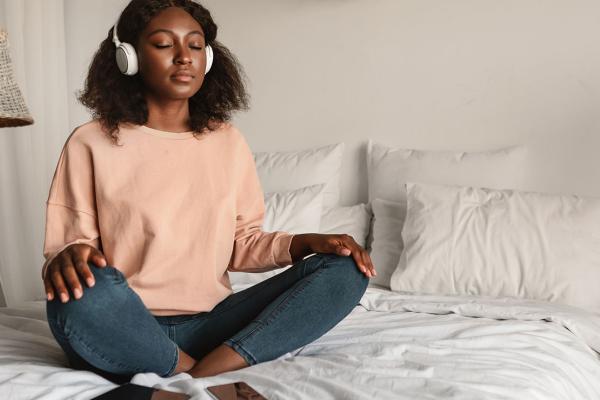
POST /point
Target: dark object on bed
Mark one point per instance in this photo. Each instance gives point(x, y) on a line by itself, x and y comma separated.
point(131, 391)
point(235, 391)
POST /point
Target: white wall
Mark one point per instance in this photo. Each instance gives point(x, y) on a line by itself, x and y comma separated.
point(431, 74)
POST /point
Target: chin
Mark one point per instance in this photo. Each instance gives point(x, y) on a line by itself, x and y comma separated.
point(181, 92)
point(179, 95)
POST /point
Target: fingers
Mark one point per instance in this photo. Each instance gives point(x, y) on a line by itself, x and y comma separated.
point(48, 287)
point(359, 258)
point(83, 269)
point(369, 263)
point(360, 262)
point(72, 278)
point(62, 274)
point(59, 284)
point(98, 258)
point(70, 268)
point(362, 258)
point(344, 251)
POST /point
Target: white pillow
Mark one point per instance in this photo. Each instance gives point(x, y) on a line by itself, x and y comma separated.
point(388, 168)
point(352, 220)
point(295, 211)
point(386, 246)
point(480, 241)
point(285, 171)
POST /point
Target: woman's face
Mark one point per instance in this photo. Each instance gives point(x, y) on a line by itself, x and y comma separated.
point(173, 41)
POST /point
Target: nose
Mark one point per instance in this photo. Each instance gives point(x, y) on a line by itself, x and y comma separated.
point(183, 55)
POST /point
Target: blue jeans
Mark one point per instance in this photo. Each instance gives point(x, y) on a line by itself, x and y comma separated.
point(109, 330)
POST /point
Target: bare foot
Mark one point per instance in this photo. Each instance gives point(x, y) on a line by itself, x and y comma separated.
point(186, 362)
point(222, 359)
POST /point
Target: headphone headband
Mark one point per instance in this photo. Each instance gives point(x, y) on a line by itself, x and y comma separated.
point(115, 38)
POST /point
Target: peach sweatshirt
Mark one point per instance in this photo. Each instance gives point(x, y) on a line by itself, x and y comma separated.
point(171, 212)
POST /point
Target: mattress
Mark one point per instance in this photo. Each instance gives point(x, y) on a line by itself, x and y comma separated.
point(391, 346)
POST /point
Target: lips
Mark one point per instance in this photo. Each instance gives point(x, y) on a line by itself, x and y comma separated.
point(182, 76)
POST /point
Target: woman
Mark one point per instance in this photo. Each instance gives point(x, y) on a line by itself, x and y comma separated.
point(157, 197)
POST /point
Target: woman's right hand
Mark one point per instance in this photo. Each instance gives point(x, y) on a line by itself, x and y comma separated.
point(69, 266)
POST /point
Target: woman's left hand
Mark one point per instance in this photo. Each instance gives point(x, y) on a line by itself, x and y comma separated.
point(343, 245)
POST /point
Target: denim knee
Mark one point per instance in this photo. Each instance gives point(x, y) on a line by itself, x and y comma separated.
point(110, 328)
point(95, 300)
point(347, 274)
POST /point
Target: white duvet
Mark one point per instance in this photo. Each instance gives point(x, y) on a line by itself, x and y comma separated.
point(392, 346)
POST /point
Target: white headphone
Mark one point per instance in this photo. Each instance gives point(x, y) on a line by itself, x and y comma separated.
point(127, 58)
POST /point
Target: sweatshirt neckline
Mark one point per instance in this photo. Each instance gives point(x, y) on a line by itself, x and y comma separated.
point(166, 134)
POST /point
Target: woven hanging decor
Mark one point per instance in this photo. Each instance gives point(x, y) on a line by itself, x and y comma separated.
point(13, 111)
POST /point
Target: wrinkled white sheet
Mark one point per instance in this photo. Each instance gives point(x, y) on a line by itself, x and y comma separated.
point(393, 346)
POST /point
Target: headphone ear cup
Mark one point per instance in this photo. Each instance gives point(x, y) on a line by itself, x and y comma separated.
point(209, 58)
point(127, 59)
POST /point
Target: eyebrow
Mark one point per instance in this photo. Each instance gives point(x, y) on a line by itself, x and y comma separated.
point(170, 31)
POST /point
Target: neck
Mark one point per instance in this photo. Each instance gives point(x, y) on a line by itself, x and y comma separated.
point(168, 115)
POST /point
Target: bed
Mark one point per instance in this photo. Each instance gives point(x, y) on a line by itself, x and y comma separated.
point(481, 293)
point(391, 346)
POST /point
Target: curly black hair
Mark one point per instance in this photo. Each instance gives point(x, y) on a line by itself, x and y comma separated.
point(114, 98)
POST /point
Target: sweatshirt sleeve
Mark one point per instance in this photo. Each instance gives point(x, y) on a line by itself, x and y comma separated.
point(71, 209)
point(255, 250)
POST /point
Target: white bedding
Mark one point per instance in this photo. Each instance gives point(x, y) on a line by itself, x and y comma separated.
point(392, 346)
